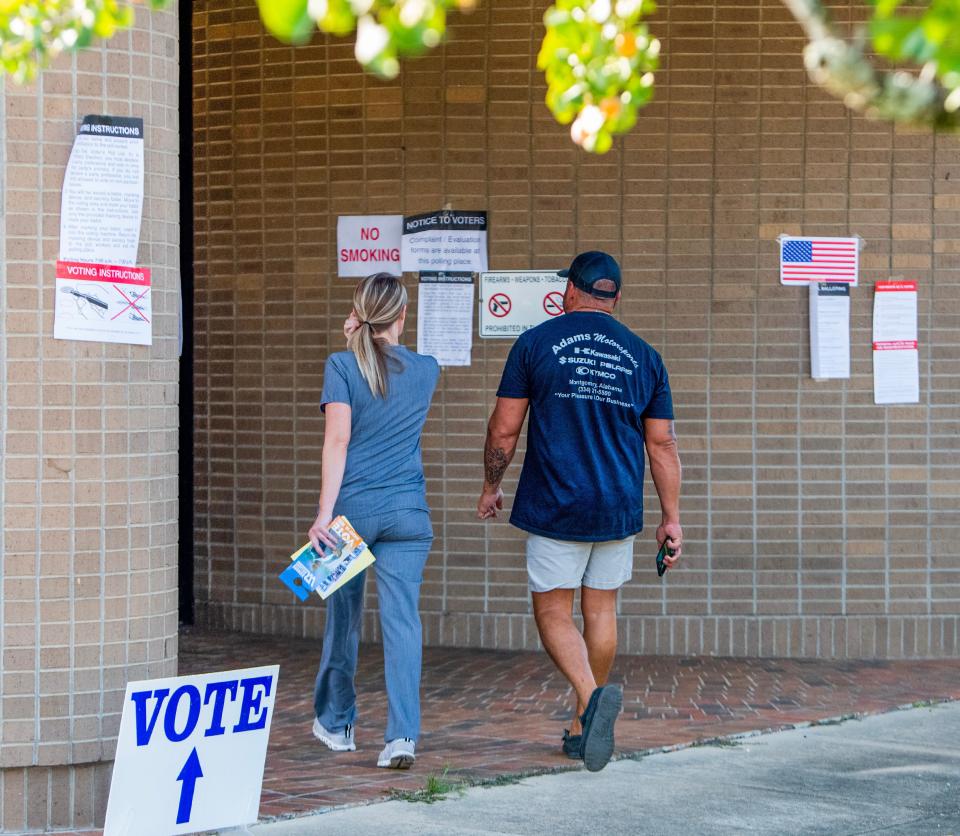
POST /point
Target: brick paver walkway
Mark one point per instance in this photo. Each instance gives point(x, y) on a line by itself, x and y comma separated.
point(490, 713)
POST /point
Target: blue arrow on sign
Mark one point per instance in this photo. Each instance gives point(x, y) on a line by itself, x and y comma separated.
point(189, 774)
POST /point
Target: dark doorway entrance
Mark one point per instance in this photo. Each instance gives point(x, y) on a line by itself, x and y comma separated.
point(185, 574)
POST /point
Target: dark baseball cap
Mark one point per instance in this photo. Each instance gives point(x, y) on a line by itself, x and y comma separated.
point(590, 267)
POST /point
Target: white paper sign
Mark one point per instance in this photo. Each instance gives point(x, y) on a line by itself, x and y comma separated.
point(829, 331)
point(105, 303)
point(896, 356)
point(445, 321)
point(190, 753)
point(102, 201)
point(514, 301)
point(368, 244)
point(896, 375)
point(895, 312)
point(445, 240)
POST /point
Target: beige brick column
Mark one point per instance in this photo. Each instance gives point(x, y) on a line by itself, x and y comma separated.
point(88, 549)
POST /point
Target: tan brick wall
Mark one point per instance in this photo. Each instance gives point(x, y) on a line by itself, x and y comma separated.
point(816, 522)
point(90, 436)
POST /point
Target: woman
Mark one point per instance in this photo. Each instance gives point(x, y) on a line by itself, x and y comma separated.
point(375, 398)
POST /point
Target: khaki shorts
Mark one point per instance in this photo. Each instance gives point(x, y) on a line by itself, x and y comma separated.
point(563, 564)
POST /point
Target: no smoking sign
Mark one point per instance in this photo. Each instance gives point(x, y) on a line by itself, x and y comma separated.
point(553, 303)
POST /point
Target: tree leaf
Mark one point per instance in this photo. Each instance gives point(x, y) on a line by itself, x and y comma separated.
point(287, 20)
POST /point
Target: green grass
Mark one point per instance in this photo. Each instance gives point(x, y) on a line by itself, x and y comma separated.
point(437, 788)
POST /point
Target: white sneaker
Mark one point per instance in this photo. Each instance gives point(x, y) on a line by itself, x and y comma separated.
point(337, 741)
point(398, 754)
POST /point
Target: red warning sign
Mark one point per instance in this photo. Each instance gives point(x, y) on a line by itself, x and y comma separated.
point(553, 303)
point(499, 304)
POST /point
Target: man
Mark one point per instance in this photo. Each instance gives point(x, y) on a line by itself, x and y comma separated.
point(597, 395)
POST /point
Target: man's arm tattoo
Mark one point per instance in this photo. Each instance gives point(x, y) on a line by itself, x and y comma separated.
point(495, 463)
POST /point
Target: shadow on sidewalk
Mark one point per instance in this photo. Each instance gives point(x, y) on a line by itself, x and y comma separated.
point(489, 714)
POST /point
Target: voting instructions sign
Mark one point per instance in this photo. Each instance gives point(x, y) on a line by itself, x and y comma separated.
point(190, 753)
point(101, 205)
point(105, 303)
point(513, 301)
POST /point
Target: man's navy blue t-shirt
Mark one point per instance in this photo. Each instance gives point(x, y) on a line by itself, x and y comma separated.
point(591, 382)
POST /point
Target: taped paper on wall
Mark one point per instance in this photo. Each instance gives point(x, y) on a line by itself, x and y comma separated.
point(445, 321)
point(829, 331)
point(445, 240)
point(896, 355)
point(102, 201)
point(104, 303)
point(368, 244)
point(805, 260)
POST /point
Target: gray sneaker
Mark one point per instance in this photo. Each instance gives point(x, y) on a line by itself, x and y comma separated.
point(341, 741)
point(596, 742)
point(398, 754)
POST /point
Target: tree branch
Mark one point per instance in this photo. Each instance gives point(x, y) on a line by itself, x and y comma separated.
point(841, 68)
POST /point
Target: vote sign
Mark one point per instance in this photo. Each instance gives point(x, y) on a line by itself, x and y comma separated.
point(190, 753)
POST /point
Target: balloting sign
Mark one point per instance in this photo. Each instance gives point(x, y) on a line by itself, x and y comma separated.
point(190, 753)
point(513, 301)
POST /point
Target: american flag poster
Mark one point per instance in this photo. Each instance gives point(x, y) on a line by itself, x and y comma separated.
point(805, 260)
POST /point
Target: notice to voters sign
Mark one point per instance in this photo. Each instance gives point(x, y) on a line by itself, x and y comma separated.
point(190, 753)
point(445, 241)
point(513, 301)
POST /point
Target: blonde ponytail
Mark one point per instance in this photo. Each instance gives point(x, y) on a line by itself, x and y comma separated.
point(379, 301)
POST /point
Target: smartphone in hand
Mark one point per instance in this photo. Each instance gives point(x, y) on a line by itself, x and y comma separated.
point(664, 551)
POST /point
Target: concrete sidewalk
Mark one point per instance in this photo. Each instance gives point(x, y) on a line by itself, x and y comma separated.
point(894, 773)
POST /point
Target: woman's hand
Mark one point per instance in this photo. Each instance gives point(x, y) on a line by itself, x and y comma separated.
point(318, 533)
point(350, 324)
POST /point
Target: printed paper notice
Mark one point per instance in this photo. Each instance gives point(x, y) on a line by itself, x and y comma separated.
point(446, 240)
point(829, 331)
point(445, 321)
point(368, 244)
point(102, 201)
point(103, 303)
point(896, 356)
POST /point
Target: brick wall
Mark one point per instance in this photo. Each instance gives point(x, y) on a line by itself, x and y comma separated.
point(817, 524)
point(88, 494)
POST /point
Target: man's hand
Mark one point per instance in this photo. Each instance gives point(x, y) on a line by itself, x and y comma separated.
point(490, 502)
point(672, 533)
point(503, 430)
point(318, 533)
